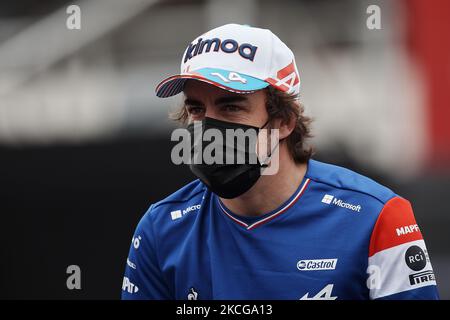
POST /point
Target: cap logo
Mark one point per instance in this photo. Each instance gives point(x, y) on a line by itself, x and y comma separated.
point(286, 79)
point(245, 50)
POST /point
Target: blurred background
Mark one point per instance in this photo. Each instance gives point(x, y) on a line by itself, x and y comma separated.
point(85, 143)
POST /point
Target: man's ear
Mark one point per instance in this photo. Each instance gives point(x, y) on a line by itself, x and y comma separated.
point(285, 127)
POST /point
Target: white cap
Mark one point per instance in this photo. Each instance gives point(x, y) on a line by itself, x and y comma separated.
point(236, 58)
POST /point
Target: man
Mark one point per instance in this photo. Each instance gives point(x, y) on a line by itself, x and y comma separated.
point(309, 230)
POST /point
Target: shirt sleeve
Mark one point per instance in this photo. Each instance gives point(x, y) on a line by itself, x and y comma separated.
point(143, 279)
point(399, 265)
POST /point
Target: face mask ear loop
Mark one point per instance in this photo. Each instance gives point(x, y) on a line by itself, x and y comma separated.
point(264, 164)
point(265, 124)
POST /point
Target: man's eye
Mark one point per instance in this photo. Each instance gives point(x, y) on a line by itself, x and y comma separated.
point(195, 110)
point(231, 108)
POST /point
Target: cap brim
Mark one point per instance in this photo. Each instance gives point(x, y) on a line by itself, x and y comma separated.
point(224, 79)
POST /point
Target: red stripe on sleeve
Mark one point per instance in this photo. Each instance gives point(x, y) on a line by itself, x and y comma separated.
point(395, 225)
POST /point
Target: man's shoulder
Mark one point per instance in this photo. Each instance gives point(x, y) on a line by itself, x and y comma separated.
point(185, 194)
point(346, 179)
point(177, 204)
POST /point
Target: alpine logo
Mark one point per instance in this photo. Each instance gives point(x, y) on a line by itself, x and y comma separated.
point(316, 265)
point(177, 214)
point(324, 294)
point(330, 199)
point(287, 78)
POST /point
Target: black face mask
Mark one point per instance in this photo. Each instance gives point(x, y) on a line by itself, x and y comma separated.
point(226, 180)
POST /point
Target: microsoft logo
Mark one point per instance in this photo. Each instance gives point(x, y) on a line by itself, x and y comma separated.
point(327, 198)
point(176, 214)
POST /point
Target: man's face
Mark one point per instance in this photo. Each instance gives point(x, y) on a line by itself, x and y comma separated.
point(205, 100)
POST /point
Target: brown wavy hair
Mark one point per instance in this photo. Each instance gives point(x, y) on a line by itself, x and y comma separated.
point(284, 106)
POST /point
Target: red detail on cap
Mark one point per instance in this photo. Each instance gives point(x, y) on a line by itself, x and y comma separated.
point(282, 74)
point(289, 69)
point(389, 230)
point(273, 82)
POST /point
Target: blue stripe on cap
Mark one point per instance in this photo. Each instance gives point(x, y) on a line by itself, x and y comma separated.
point(228, 80)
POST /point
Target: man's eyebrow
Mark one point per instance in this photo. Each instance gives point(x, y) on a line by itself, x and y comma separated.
point(230, 99)
point(192, 102)
point(222, 100)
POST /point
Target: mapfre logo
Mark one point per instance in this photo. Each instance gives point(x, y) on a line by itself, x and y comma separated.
point(330, 199)
point(177, 214)
point(317, 265)
point(407, 229)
